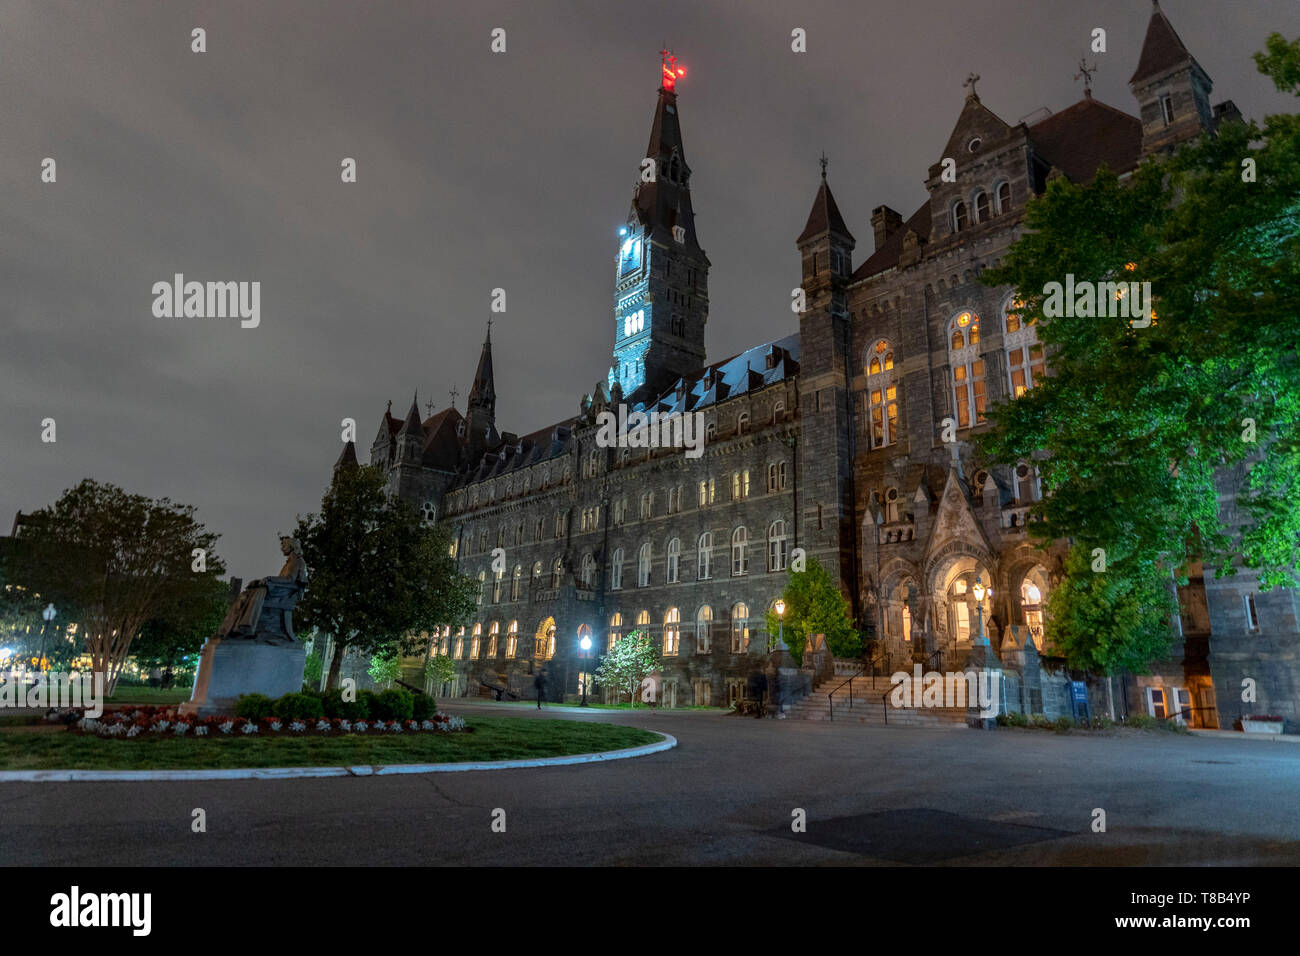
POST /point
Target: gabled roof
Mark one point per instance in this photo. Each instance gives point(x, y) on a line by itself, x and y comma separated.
point(886, 257)
point(1162, 50)
point(975, 119)
point(824, 216)
point(441, 442)
point(1079, 139)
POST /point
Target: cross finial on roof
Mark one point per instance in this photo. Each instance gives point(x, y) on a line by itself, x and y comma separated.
point(971, 80)
point(429, 407)
point(453, 393)
point(824, 161)
point(1085, 73)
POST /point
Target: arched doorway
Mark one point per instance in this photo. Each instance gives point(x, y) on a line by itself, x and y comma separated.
point(1029, 600)
point(544, 641)
point(955, 611)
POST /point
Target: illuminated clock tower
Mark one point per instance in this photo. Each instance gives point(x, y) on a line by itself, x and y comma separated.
point(661, 282)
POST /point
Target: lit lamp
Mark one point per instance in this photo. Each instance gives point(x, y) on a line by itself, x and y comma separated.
point(585, 644)
point(49, 614)
point(779, 607)
point(980, 591)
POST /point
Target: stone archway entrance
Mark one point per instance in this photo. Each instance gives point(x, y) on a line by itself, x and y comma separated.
point(544, 641)
point(956, 618)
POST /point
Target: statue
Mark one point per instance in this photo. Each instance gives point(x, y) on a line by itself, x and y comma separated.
point(264, 611)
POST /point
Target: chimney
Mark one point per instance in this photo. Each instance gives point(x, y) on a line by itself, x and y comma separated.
point(885, 222)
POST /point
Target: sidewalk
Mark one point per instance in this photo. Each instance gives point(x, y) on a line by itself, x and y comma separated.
point(1242, 735)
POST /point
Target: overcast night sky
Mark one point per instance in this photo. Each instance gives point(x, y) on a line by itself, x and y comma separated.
point(476, 170)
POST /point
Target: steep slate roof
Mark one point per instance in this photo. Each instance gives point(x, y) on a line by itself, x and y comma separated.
point(741, 373)
point(1161, 50)
point(441, 443)
point(886, 257)
point(823, 216)
point(1079, 139)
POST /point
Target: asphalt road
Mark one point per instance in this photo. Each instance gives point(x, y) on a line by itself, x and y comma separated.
point(724, 796)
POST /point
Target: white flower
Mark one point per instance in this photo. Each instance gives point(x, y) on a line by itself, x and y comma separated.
point(88, 725)
point(250, 728)
point(162, 726)
point(428, 725)
point(323, 724)
point(200, 731)
point(181, 728)
point(134, 731)
point(345, 725)
point(359, 726)
point(225, 727)
point(298, 726)
point(276, 725)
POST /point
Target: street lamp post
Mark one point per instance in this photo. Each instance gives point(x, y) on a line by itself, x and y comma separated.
point(585, 643)
point(49, 615)
point(779, 607)
point(980, 592)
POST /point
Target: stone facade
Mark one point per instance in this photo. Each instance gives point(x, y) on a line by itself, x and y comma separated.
point(851, 439)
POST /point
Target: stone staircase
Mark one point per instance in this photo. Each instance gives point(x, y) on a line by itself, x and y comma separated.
point(866, 708)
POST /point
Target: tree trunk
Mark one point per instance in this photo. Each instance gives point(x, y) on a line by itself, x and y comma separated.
point(336, 662)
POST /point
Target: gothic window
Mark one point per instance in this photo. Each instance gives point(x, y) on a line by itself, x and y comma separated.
point(739, 628)
point(615, 623)
point(704, 569)
point(706, 492)
point(428, 512)
point(643, 619)
point(482, 541)
point(476, 640)
point(742, 422)
point(703, 630)
point(516, 582)
point(537, 575)
point(616, 570)
point(740, 551)
point(1026, 365)
point(967, 369)
point(959, 216)
point(674, 558)
point(588, 571)
point(776, 546)
point(557, 573)
point(672, 631)
point(519, 534)
point(512, 639)
point(778, 411)
point(537, 529)
point(493, 633)
point(498, 577)
point(643, 566)
point(501, 536)
point(593, 464)
point(1002, 194)
point(891, 505)
point(981, 205)
point(882, 396)
point(740, 485)
point(482, 586)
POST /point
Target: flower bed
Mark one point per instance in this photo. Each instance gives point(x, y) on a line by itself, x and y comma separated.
point(130, 722)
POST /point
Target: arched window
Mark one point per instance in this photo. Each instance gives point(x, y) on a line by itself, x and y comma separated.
point(959, 221)
point(537, 575)
point(882, 396)
point(704, 570)
point(740, 551)
point(593, 464)
point(672, 631)
point(498, 577)
point(616, 570)
point(776, 546)
point(742, 423)
point(476, 642)
point(482, 586)
point(1003, 196)
point(703, 630)
point(983, 210)
point(512, 639)
point(674, 558)
point(615, 629)
point(428, 512)
point(643, 566)
point(778, 412)
point(967, 369)
point(516, 582)
point(557, 574)
point(1026, 364)
point(588, 571)
point(739, 628)
point(642, 618)
point(493, 633)
point(891, 505)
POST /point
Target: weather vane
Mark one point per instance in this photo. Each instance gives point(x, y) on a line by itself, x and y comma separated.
point(671, 71)
point(1085, 73)
point(824, 161)
point(453, 393)
point(971, 80)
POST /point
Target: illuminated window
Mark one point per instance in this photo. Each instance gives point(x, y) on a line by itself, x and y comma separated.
point(516, 582)
point(493, 633)
point(1026, 365)
point(498, 579)
point(704, 630)
point(777, 545)
point(482, 586)
point(740, 551)
point(739, 628)
point(674, 558)
point(615, 628)
point(512, 639)
point(706, 492)
point(967, 369)
point(557, 573)
point(882, 396)
point(672, 631)
point(475, 641)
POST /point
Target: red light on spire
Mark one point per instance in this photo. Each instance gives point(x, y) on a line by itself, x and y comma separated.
point(671, 71)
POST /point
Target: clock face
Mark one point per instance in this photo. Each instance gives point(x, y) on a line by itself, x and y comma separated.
point(630, 256)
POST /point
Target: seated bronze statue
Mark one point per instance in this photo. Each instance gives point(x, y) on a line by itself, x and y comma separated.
point(264, 611)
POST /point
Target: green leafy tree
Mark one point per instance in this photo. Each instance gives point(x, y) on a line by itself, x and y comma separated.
point(814, 604)
point(377, 574)
point(439, 670)
point(632, 658)
point(1138, 427)
point(112, 561)
point(385, 667)
point(180, 628)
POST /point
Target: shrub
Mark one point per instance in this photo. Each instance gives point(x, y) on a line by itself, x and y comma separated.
point(394, 704)
point(423, 707)
point(1064, 724)
point(1143, 722)
point(370, 700)
point(1002, 720)
point(314, 669)
point(299, 707)
point(336, 706)
point(1040, 721)
point(1018, 720)
point(254, 706)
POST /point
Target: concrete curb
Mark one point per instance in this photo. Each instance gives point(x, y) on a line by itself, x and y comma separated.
point(287, 773)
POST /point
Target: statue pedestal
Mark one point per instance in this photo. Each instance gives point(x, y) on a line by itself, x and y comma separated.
point(229, 667)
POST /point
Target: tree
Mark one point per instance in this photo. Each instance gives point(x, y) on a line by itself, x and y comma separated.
point(377, 575)
point(815, 605)
point(385, 667)
point(1137, 427)
point(181, 627)
point(632, 658)
point(112, 561)
point(439, 670)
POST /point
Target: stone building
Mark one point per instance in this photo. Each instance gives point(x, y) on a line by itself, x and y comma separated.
point(831, 439)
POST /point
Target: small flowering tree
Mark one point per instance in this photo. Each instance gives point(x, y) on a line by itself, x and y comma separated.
point(628, 662)
point(438, 671)
point(385, 668)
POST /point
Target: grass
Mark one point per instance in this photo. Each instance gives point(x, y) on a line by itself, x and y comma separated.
point(494, 738)
point(150, 695)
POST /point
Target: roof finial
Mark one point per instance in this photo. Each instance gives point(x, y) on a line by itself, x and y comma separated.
point(824, 161)
point(429, 407)
point(670, 70)
point(453, 393)
point(971, 80)
point(1085, 73)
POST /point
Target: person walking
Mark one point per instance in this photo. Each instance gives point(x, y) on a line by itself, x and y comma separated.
point(539, 684)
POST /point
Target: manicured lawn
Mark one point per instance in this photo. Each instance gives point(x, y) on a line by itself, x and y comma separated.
point(494, 738)
point(150, 695)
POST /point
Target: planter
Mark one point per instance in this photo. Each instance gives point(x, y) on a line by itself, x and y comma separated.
point(1261, 726)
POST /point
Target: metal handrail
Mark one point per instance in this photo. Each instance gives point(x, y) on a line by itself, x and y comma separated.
point(831, 696)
